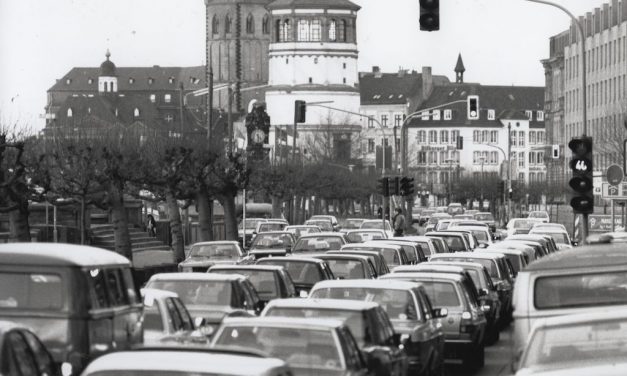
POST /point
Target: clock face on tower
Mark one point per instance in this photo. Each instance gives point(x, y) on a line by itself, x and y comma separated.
point(258, 136)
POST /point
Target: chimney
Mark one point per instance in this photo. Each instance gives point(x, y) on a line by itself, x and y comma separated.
point(377, 71)
point(427, 82)
point(402, 72)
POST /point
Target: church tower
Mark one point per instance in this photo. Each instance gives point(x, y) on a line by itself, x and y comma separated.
point(459, 70)
point(107, 79)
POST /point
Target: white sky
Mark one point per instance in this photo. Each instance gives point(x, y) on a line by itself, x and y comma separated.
point(501, 41)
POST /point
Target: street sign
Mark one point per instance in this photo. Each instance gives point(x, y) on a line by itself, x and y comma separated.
point(617, 192)
point(597, 182)
point(615, 174)
point(603, 223)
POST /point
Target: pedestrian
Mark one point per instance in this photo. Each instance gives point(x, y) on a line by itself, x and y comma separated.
point(399, 222)
point(151, 226)
point(380, 213)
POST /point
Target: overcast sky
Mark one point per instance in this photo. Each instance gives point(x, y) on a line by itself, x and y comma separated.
point(501, 41)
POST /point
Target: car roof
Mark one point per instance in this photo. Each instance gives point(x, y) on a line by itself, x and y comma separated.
point(427, 266)
point(323, 234)
point(466, 254)
point(275, 233)
point(195, 277)
point(247, 267)
point(229, 242)
point(294, 259)
point(583, 318)
point(287, 322)
point(183, 359)
point(378, 244)
point(423, 275)
point(511, 251)
point(444, 233)
point(459, 263)
point(325, 256)
point(300, 226)
point(587, 256)
point(345, 304)
point(58, 254)
point(366, 283)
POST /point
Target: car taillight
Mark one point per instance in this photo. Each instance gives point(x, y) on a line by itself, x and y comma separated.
point(466, 325)
point(100, 336)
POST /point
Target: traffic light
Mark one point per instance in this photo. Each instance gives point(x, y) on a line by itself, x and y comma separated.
point(300, 109)
point(395, 186)
point(510, 193)
point(581, 181)
point(501, 188)
point(472, 102)
point(460, 142)
point(429, 15)
point(407, 186)
point(383, 187)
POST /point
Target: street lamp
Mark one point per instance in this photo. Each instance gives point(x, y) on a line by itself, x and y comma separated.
point(450, 175)
point(482, 159)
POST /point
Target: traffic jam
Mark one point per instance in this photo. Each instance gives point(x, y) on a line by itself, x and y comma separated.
point(329, 297)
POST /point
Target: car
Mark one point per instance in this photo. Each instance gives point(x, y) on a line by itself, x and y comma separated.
point(465, 324)
point(463, 216)
point(304, 271)
point(579, 280)
point(320, 242)
point(409, 308)
point(413, 249)
point(517, 258)
point(427, 245)
point(249, 229)
point(165, 316)
point(455, 208)
point(500, 272)
point(520, 225)
point(332, 218)
point(368, 322)
point(442, 224)
point(345, 266)
point(187, 361)
point(440, 245)
point(528, 250)
point(324, 224)
point(309, 346)
point(561, 237)
point(378, 224)
point(487, 218)
point(481, 232)
point(393, 254)
point(270, 282)
point(581, 344)
point(472, 212)
point(539, 215)
point(456, 241)
point(299, 230)
point(63, 292)
point(277, 243)
point(425, 215)
point(362, 235)
point(546, 242)
point(434, 219)
point(469, 235)
point(23, 353)
point(380, 265)
point(210, 297)
point(352, 223)
point(203, 255)
point(271, 224)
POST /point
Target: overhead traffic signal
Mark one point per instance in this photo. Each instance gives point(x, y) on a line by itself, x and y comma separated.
point(300, 110)
point(501, 188)
point(429, 15)
point(407, 186)
point(581, 181)
point(383, 187)
point(472, 103)
point(395, 186)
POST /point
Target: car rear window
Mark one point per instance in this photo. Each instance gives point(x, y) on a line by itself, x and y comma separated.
point(346, 269)
point(31, 291)
point(442, 294)
point(581, 290)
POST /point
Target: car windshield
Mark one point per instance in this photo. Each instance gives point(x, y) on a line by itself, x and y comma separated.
point(480, 235)
point(559, 237)
point(271, 227)
point(318, 243)
point(353, 319)
point(484, 217)
point(442, 294)
point(37, 291)
point(455, 243)
point(581, 290)
point(263, 280)
point(390, 256)
point(374, 225)
point(352, 223)
point(152, 319)
point(523, 224)
point(302, 347)
point(538, 215)
point(272, 241)
point(300, 271)
point(570, 346)
point(323, 224)
point(360, 237)
point(197, 292)
point(251, 223)
point(215, 251)
point(346, 269)
point(398, 304)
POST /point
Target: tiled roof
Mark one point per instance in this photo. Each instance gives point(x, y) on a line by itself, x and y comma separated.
point(313, 87)
point(340, 4)
point(392, 88)
point(134, 78)
point(506, 101)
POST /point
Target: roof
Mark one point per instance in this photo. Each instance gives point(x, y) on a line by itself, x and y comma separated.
point(289, 322)
point(291, 259)
point(247, 267)
point(366, 283)
point(619, 314)
point(588, 256)
point(107, 68)
point(508, 103)
point(427, 266)
point(335, 4)
point(188, 360)
point(230, 242)
point(392, 88)
point(459, 67)
point(58, 254)
point(421, 275)
point(195, 277)
point(345, 304)
point(466, 255)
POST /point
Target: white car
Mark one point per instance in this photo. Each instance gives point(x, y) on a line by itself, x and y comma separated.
point(540, 215)
point(165, 315)
point(561, 237)
point(520, 225)
point(378, 224)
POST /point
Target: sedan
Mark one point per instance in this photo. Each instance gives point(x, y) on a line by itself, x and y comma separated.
point(300, 230)
point(277, 243)
point(304, 271)
point(346, 266)
point(320, 242)
point(206, 254)
point(378, 224)
point(165, 315)
point(22, 353)
point(271, 282)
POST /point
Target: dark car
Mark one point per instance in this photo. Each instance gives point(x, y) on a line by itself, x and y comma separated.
point(377, 259)
point(413, 249)
point(275, 243)
point(204, 255)
point(368, 322)
point(271, 282)
point(304, 271)
point(211, 296)
point(410, 311)
point(487, 218)
point(393, 254)
point(456, 241)
point(364, 235)
point(346, 266)
point(320, 242)
point(22, 353)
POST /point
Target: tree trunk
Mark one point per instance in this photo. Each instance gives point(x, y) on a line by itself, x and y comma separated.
point(205, 212)
point(230, 216)
point(276, 207)
point(120, 222)
point(82, 220)
point(175, 227)
point(303, 216)
point(18, 222)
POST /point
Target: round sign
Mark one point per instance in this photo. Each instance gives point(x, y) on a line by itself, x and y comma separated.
point(615, 175)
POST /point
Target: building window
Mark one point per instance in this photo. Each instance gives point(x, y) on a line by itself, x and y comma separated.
point(521, 177)
point(532, 138)
point(397, 144)
point(491, 115)
point(70, 113)
point(424, 115)
point(448, 115)
point(476, 137)
point(90, 81)
point(432, 157)
point(485, 137)
point(494, 137)
point(540, 115)
point(444, 157)
point(529, 115)
point(532, 177)
point(167, 98)
point(136, 112)
point(540, 176)
point(310, 80)
point(540, 159)
point(332, 32)
point(422, 157)
point(422, 137)
point(303, 31)
point(250, 24)
point(532, 158)
point(521, 159)
point(398, 120)
point(227, 24)
point(342, 31)
point(433, 137)
point(521, 138)
point(494, 157)
point(131, 80)
point(370, 145)
point(344, 65)
point(444, 137)
point(169, 118)
point(540, 137)
point(150, 80)
point(432, 177)
point(476, 156)
point(436, 114)
point(284, 31)
point(215, 25)
point(68, 81)
point(315, 31)
point(370, 122)
point(344, 80)
point(454, 137)
point(171, 80)
point(265, 25)
point(384, 120)
point(153, 98)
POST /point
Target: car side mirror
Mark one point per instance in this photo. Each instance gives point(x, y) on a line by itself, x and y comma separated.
point(483, 292)
point(574, 243)
point(199, 322)
point(483, 245)
point(440, 312)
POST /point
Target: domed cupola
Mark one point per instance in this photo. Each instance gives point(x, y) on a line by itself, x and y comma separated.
point(107, 80)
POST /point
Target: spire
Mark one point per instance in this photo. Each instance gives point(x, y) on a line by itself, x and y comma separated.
point(108, 54)
point(459, 70)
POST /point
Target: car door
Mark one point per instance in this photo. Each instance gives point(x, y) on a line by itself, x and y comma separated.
point(433, 330)
point(386, 333)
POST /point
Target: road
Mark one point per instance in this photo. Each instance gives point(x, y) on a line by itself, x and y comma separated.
point(496, 359)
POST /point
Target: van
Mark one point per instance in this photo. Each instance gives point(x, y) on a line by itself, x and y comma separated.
point(79, 300)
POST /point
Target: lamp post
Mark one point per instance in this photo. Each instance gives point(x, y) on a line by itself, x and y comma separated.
point(450, 177)
point(482, 180)
point(582, 41)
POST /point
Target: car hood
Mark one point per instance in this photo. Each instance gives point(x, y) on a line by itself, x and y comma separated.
point(605, 369)
point(213, 314)
point(200, 261)
point(307, 371)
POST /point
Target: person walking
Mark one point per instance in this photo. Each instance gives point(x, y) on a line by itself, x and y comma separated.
point(151, 226)
point(399, 222)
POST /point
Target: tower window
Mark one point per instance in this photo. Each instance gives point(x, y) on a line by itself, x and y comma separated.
point(310, 80)
point(227, 24)
point(287, 60)
point(69, 112)
point(136, 112)
point(265, 25)
point(150, 80)
point(131, 80)
point(448, 115)
point(171, 80)
point(315, 60)
point(529, 114)
point(284, 31)
point(250, 24)
point(215, 25)
point(540, 115)
point(90, 81)
point(342, 31)
point(309, 30)
point(167, 98)
point(153, 98)
point(344, 65)
point(491, 115)
point(344, 80)
point(68, 81)
point(332, 31)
